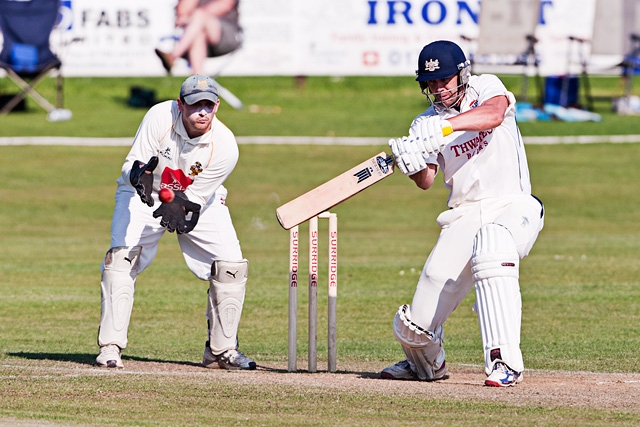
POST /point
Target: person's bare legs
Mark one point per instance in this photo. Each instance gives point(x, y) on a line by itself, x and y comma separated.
point(203, 29)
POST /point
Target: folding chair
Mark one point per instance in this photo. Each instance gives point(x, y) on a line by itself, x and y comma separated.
point(26, 56)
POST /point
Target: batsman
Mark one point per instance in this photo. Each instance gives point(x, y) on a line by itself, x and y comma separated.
point(180, 145)
point(470, 134)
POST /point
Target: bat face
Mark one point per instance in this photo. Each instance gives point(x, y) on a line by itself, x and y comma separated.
point(335, 191)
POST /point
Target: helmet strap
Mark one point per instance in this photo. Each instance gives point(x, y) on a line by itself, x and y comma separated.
point(460, 91)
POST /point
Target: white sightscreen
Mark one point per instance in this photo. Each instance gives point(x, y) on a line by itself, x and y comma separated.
point(505, 25)
point(608, 28)
point(631, 23)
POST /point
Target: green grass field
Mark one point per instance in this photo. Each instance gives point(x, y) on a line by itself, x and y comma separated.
point(580, 284)
point(580, 288)
point(322, 106)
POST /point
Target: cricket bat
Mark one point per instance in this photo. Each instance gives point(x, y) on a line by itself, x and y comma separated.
point(335, 191)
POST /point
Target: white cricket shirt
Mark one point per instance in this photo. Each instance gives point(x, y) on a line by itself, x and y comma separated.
point(479, 165)
point(197, 166)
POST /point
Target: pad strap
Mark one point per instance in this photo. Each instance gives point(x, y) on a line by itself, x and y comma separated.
point(423, 348)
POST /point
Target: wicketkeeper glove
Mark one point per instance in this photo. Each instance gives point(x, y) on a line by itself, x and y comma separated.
point(429, 133)
point(174, 214)
point(143, 181)
point(407, 155)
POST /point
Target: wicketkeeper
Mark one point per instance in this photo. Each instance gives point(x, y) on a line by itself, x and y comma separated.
point(470, 133)
point(181, 145)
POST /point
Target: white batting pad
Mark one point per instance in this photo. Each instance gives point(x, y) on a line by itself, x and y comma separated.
point(423, 348)
point(495, 265)
point(117, 287)
point(226, 298)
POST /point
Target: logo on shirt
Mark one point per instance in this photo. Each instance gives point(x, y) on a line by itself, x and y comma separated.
point(195, 169)
point(166, 153)
point(473, 146)
point(174, 179)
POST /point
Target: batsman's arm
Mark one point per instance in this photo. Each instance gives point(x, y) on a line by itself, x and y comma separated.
point(426, 177)
point(488, 115)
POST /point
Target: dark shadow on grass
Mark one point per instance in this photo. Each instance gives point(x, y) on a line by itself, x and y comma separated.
point(376, 376)
point(270, 369)
point(82, 358)
point(359, 374)
point(369, 375)
point(89, 359)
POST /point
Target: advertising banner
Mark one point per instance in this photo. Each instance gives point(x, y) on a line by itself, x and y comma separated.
point(307, 37)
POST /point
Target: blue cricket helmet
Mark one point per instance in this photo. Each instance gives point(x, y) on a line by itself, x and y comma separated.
point(441, 59)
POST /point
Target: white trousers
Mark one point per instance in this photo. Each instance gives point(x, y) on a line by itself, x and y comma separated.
point(446, 278)
point(213, 238)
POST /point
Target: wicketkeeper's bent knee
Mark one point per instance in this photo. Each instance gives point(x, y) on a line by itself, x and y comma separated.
point(226, 297)
point(117, 289)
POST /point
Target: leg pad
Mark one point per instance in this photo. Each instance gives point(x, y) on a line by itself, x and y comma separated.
point(423, 348)
point(226, 297)
point(117, 288)
point(495, 268)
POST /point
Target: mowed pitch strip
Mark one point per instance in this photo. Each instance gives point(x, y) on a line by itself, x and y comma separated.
point(552, 389)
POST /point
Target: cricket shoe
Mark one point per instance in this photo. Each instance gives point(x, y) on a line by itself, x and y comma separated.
point(402, 371)
point(503, 376)
point(230, 359)
point(110, 357)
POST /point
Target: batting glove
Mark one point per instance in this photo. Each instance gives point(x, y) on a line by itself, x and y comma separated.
point(407, 155)
point(141, 177)
point(429, 133)
point(174, 214)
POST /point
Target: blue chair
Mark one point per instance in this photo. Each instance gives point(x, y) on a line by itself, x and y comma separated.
point(26, 56)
